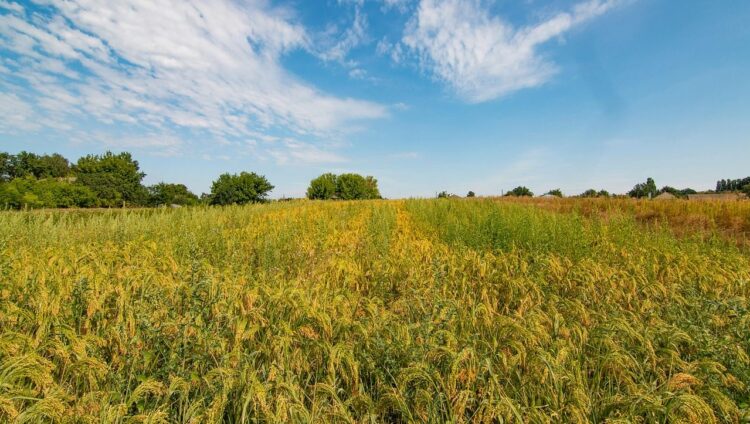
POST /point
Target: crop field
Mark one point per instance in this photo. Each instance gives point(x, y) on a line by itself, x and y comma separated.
point(459, 310)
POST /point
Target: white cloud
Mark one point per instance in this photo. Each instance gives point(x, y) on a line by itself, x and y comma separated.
point(395, 51)
point(354, 36)
point(17, 114)
point(14, 7)
point(399, 5)
point(482, 57)
point(298, 152)
point(405, 155)
point(206, 65)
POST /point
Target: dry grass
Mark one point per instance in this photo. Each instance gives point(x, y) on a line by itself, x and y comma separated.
point(728, 219)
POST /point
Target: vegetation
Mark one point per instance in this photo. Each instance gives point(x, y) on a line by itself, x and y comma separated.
point(322, 187)
point(246, 187)
point(27, 164)
point(647, 189)
point(591, 193)
point(742, 184)
point(677, 193)
point(556, 192)
point(164, 194)
point(507, 310)
point(520, 191)
point(31, 181)
point(343, 187)
point(114, 178)
point(29, 192)
point(470, 194)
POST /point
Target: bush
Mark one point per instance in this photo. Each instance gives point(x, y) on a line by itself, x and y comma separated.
point(28, 192)
point(470, 194)
point(247, 187)
point(171, 194)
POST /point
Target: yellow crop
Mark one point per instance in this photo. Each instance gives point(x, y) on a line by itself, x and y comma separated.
point(380, 311)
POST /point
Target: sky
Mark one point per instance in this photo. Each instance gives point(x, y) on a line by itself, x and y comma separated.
point(425, 95)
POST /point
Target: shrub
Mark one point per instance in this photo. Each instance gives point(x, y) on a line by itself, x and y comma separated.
point(31, 193)
point(171, 194)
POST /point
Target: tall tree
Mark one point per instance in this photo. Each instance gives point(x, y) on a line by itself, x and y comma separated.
point(520, 191)
point(344, 186)
point(246, 187)
point(5, 166)
point(115, 178)
point(647, 189)
point(322, 187)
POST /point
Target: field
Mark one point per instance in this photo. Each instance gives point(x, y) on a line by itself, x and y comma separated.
point(378, 311)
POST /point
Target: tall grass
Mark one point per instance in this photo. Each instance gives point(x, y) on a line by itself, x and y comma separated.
point(403, 311)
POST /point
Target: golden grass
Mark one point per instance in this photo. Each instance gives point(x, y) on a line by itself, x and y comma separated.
point(378, 311)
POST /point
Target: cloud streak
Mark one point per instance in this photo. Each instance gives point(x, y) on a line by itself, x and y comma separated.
point(482, 57)
point(212, 66)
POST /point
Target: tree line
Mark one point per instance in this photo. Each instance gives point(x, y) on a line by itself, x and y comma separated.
point(28, 180)
point(742, 184)
point(647, 189)
point(109, 180)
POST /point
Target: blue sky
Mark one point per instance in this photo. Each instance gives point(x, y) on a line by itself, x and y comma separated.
point(426, 95)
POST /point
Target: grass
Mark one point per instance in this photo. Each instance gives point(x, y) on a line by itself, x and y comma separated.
point(380, 311)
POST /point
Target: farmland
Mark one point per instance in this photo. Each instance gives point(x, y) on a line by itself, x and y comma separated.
point(457, 310)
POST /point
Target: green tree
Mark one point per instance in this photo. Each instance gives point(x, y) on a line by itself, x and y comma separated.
point(556, 192)
point(247, 187)
point(647, 189)
point(443, 195)
point(5, 166)
point(39, 166)
point(356, 187)
point(520, 191)
point(115, 178)
point(322, 187)
point(372, 188)
point(28, 192)
point(171, 194)
point(470, 194)
point(589, 193)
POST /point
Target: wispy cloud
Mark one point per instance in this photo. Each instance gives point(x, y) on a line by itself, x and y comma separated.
point(212, 66)
point(482, 57)
point(404, 155)
point(340, 44)
point(292, 151)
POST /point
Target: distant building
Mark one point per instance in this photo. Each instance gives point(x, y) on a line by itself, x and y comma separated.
point(665, 196)
point(717, 196)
